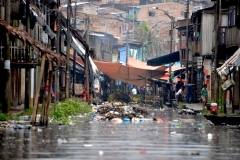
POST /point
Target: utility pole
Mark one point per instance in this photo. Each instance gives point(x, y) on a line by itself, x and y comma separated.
point(171, 38)
point(7, 71)
point(170, 64)
point(126, 87)
point(68, 51)
point(87, 59)
point(187, 49)
point(127, 49)
point(56, 98)
point(216, 24)
point(133, 22)
point(27, 73)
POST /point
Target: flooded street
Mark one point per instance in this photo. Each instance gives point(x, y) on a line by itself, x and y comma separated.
point(178, 137)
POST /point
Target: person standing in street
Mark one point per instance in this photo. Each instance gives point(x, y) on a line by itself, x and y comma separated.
point(204, 96)
point(84, 94)
point(179, 95)
point(134, 91)
point(189, 92)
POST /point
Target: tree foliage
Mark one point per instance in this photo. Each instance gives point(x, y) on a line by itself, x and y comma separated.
point(150, 38)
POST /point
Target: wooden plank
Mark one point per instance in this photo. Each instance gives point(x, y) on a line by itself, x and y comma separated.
point(36, 97)
point(20, 65)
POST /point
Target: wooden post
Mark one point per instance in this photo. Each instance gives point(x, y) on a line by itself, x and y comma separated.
point(27, 73)
point(145, 89)
point(7, 61)
point(36, 97)
point(44, 104)
point(56, 98)
point(87, 59)
point(216, 24)
point(68, 52)
point(47, 109)
point(74, 73)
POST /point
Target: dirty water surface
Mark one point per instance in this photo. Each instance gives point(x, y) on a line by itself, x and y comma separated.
point(175, 137)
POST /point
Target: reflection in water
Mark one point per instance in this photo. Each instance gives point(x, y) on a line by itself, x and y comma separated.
point(171, 139)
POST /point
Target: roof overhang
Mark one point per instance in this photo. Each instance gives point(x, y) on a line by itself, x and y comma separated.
point(166, 59)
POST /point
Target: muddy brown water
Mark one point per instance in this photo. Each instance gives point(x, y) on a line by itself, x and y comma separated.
point(171, 139)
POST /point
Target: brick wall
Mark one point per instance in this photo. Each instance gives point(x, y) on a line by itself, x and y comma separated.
point(174, 9)
point(161, 22)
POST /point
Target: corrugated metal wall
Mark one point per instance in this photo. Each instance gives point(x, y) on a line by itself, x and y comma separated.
point(232, 37)
point(207, 35)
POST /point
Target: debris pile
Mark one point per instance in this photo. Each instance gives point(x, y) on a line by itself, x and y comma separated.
point(109, 113)
point(119, 112)
point(15, 124)
point(188, 111)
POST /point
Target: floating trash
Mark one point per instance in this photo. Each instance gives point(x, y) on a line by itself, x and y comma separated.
point(143, 151)
point(100, 153)
point(117, 120)
point(87, 145)
point(209, 136)
point(188, 120)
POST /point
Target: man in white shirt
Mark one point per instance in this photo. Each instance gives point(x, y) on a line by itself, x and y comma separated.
point(134, 91)
point(179, 95)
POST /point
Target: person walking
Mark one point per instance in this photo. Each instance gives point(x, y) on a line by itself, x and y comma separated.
point(204, 96)
point(134, 91)
point(179, 95)
point(48, 87)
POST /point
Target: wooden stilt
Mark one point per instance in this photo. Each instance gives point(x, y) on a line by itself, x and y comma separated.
point(44, 104)
point(36, 97)
point(48, 98)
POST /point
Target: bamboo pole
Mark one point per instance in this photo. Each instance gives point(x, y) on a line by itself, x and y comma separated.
point(36, 97)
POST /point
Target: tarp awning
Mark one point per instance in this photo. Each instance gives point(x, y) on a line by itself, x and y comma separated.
point(142, 65)
point(166, 59)
point(108, 67)
point(234, 60)
point(127, 74)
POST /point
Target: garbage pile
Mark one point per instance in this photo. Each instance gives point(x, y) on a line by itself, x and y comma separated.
point(15, 124)
point(188, 111)
point(117, 112)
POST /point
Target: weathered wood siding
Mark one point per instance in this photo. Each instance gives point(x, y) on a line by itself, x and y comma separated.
point(207, 35)
point(224, 20)
point(232, 36)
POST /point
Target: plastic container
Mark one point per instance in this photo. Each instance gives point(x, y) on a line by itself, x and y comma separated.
point(146, 120)
point(213, 108)
point(126, 120)
point(213, 104)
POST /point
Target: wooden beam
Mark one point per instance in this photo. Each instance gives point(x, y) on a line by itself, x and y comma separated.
point(21, 65)
point(36, 97)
